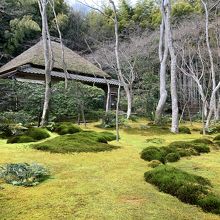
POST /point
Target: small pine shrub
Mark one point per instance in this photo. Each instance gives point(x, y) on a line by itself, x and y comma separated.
point(152, 153)
point(20, 139)
point(66, 128)
point(23, 174)
point(184, 130)
point(210, 203)
point(217, 138)
point(172, 157)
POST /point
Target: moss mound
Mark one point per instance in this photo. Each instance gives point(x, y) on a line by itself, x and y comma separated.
point(172, 157)
point(153, 153)
point(154, 163)
point(174, 151)
point(184, 130)
point(31, 135)
point(202, 141)
point(187, 187)
point(20, 139)
point(37, 133)
point(217, 138)
point(66, 128)
point(86, 141)
point(199, 147)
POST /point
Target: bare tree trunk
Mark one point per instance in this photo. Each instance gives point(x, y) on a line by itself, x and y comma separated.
point(107, 107)
point(119, 72)
point(117, 116)
point(163, 54)
point(61, 44)
point(213, 104)
point(173, 84)
point(48, 59)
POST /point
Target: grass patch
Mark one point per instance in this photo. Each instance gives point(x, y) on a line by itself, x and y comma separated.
point(86, 141)
point(31, 135)
point(66, 128)
point(189, 188)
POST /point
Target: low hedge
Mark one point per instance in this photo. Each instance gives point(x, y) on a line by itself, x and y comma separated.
point(86, 141)
point(188, 188)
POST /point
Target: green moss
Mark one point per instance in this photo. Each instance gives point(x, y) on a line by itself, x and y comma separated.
point(31, 135)
point(210, 203)
point(37, 133)
point(172, 157)
point(20, 139)
point(152, 153)
point(217, 138)
point(202, 141)
point(187, 187)
point(199, 147)
point(154, 163)
point(66, 128)
point(184, 130)
point(87, 141)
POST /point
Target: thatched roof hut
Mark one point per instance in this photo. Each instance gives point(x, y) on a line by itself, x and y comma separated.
point(29, 66)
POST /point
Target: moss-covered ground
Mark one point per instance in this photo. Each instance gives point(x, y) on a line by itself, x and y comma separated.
point(105, 185)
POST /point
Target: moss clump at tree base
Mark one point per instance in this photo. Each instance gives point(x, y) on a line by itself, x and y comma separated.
point(86, 141)
point(187, 187)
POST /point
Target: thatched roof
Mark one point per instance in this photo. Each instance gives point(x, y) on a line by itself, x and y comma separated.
point(35, 56)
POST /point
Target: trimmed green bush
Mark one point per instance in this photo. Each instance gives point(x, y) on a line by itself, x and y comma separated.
point(86, 141)
point(210, 203)
point(20, 139)
point(152, 153)
point(66, 128)
point(184, 130)
point(172, 157)
point(217, 138)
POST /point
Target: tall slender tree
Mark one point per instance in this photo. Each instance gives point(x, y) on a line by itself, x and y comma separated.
point(48, 57)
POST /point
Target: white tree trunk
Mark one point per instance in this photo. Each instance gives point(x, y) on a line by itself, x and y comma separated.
point(163, 54)
point(128, 91)
point(48, 60)
point(173, 84)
